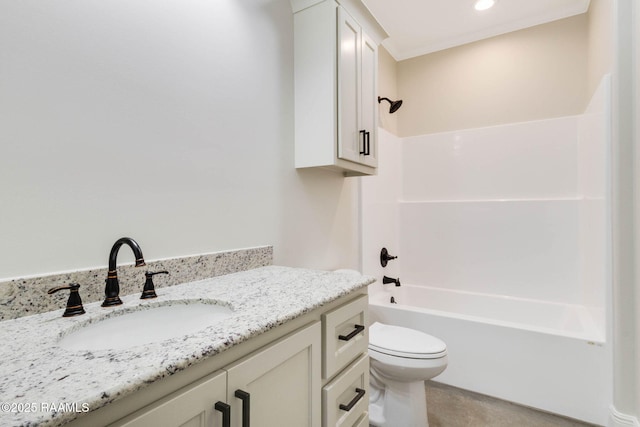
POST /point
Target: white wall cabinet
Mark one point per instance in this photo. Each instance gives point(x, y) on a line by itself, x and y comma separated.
point(335, 66)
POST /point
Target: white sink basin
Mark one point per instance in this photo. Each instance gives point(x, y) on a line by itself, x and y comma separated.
point(145, 325)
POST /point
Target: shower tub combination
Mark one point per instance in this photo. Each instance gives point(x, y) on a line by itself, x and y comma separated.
point(503, 240)
point(549, 356)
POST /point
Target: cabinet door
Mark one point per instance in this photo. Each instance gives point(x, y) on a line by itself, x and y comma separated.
point(369, 100)
point(192, 406)
point(350, 139)
point(280, 382)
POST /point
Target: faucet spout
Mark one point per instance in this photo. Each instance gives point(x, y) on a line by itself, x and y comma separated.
point(112, 286)
point(386, 280)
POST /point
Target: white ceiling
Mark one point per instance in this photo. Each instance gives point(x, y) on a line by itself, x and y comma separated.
point(418, 27)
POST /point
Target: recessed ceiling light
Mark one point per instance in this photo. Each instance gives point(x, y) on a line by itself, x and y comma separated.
point(484, 4)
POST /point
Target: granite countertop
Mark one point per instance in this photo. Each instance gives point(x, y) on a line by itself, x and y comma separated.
point(36, 373)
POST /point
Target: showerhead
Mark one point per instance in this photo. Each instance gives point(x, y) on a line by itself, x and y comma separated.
point(395, 105)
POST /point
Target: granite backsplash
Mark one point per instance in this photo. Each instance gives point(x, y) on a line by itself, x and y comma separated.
point(24, 297)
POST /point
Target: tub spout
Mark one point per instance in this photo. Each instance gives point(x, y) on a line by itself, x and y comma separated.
point(112, 287)
point(386, 280)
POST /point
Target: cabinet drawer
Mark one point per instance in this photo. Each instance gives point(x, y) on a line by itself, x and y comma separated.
point(345, 335)
point(363, 421)
point(346, 399)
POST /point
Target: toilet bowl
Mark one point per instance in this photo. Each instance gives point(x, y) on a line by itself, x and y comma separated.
point(401, 360)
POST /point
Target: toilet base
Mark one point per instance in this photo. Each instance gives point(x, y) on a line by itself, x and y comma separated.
point(398, 404)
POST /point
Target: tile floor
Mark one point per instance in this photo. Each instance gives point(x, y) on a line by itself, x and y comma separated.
point(453, 407)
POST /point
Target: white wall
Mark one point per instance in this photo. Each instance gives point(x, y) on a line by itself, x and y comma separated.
point(532, 74)
point(380, 223)
point(387, 88)
point(168, 120)
point(600, 46)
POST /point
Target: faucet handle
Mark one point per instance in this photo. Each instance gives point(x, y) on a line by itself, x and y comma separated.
point(74, 303)
point(149, 290)
point(385, 257)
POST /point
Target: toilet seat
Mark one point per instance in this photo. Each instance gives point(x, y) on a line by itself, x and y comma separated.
point(404, 342)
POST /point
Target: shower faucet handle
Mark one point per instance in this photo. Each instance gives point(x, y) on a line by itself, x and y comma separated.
point(385, 257)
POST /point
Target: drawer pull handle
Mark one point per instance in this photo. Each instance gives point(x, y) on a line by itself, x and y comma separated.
point(356, 331)
point(367, 150)
point(226, 413)
point(246, 411)
point(355, 400)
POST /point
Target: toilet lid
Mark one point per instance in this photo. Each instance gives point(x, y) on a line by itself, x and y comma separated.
point(404, 342)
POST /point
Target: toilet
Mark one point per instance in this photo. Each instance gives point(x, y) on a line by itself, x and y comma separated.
point(401, 360)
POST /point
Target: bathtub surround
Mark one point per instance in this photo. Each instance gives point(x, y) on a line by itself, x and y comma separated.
point(516, 213)
point(380, 208)
point(24, 297)
point(517, 210)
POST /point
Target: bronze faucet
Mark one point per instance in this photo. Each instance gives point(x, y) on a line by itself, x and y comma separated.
point(386, 280)
point(112, 287)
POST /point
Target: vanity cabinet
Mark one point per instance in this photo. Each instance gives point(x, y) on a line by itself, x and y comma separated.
point(278, 385)
point(193, 406)
point(283, 381)
point(335, 75)
point(311, 371)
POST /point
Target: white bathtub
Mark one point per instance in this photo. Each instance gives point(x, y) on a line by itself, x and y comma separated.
point(545, 355)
